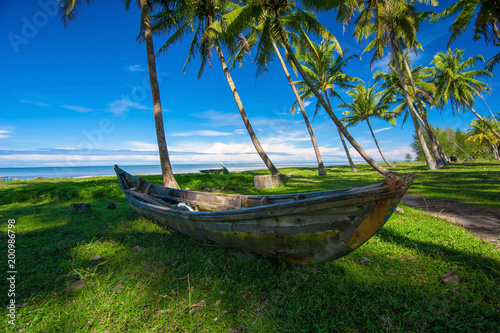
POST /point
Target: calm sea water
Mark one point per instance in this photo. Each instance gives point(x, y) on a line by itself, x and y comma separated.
point(89, 171)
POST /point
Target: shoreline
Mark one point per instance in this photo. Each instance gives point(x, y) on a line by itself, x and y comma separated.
point(76, 172)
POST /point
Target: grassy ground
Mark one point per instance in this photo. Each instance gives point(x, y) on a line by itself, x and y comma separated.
point(174, 283)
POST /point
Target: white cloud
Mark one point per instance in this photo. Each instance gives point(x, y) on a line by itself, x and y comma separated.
point(382, 129)
point(201, 133)
point(136, 68)
point(4, 134)
point(289, 137)
point(77, 108)
point(121, 106)
point(219, 119)
point(142, 146)
point(34, 103)
point(382, 64)
point(394, 154)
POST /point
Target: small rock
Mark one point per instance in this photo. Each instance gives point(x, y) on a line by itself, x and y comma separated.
point(450, 277)
point(77, 285)
point(79, 207)
point(238, 329)
point(111, 205)
point(366, 260)
point(244, 255)
point(399, 211)
point(97, 257)
point(118, 285)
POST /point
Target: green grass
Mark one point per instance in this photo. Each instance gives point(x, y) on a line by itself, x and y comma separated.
point(178, 284)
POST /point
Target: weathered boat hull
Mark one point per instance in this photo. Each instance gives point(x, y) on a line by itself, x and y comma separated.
point(305, 229)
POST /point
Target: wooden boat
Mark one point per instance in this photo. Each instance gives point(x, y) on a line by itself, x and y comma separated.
point(304, 228)
point(223, 170)
point(212, 170)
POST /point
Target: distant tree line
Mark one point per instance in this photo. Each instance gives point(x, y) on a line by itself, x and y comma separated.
point(462, 144)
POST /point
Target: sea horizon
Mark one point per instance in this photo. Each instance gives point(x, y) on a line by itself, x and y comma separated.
point(29, 173)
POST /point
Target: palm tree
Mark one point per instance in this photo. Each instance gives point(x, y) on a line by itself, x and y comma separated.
point(393, 22)
point(326, 72)
point(261, 32)
point(297, 20)
point(298, 98)
point(210, 33)
point(68, 10)
point(421, 92)
point(458, 85)
point(367, 103)
point(486, 25)
point(480, 133)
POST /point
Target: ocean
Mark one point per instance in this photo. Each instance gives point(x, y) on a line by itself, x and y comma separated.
point(90, 171)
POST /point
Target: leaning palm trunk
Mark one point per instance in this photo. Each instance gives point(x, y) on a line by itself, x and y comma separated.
point(255, 141)
point(437, 151)
point(166, 168)
point(376, 143)
point(321, 166)
point(320, 98)
point(494, 150)
point(483, 120)
point(491, 112)
point(431, 164)
point(351, 163)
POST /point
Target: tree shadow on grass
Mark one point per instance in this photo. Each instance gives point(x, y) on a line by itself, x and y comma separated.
point(446, 253)
point(172, 282)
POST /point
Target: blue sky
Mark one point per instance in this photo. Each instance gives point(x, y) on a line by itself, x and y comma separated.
point(80, 96)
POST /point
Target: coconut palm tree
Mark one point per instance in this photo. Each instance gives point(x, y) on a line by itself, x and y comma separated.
point(393, 22)
point(458, 85)
point(299, 101)
point(480, 133)
point(326, 72)
point(421, 91)
point(210, 33)
point(68, 11)
point(486, 25)
point(251, 39)
point(297, 20)
point(367, 103)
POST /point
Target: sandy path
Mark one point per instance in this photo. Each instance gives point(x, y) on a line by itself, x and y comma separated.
point(484, 222)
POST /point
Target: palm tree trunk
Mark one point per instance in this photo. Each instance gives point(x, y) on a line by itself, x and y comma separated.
point(320, 98)
point(255, 141)
point(321, 166)
point(439, 156)
point(489, 109)
point(166, 168)
point(496, 155)
point(431, 164)
point(376, 142)
point(437, 150)
point(351, 163)
point(482, 119)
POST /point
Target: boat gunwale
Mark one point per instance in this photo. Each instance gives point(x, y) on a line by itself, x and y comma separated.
point(356, 195)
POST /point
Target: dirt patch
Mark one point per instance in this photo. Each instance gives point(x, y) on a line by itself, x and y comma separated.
point(484, 222)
